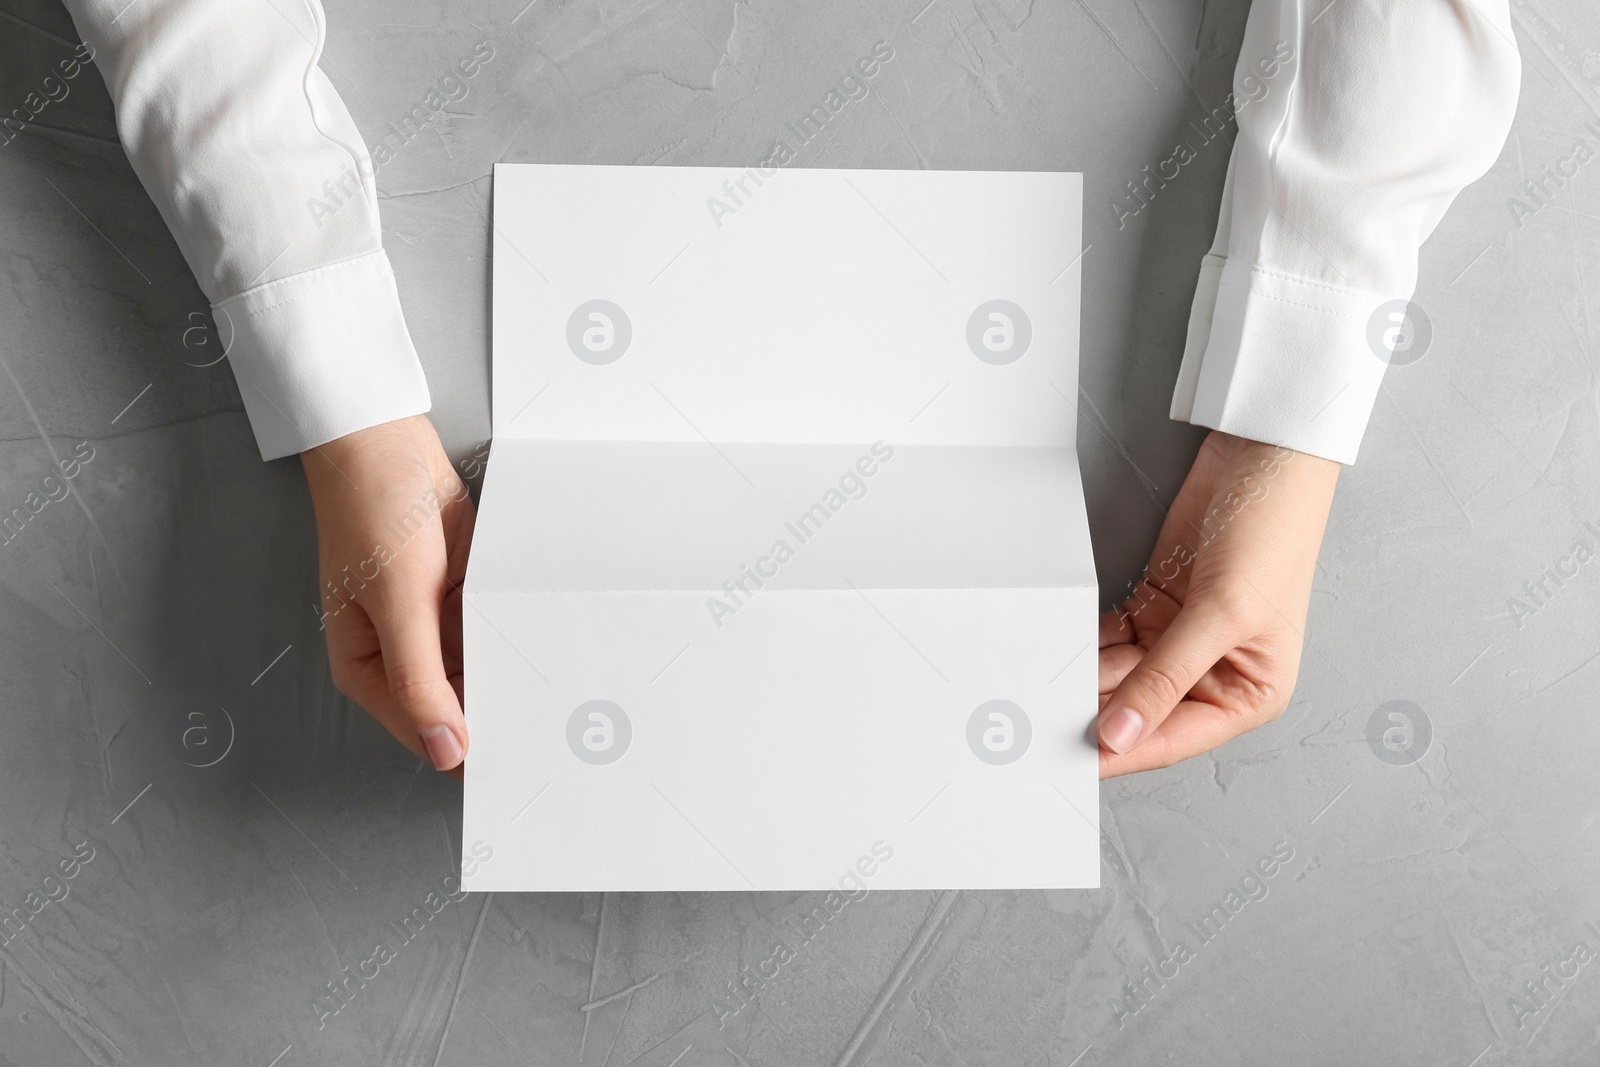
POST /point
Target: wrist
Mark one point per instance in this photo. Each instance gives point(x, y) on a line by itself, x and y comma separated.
point(1300, 472)
point(334, 461)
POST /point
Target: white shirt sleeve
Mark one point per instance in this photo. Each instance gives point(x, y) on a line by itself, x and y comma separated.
point(1358, 125)
point(259, 171)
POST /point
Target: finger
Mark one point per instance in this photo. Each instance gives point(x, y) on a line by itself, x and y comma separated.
point(459, 522)
point(1116, 628)
point(451, 645)
point(1115, 663)
point(460, 518)
point(422, 702)
point(355, 659)
point(1193, 727)
point(1190, 647)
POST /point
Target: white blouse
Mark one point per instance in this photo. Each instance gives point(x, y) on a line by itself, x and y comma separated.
point(1358, 125)
point(1346, 159)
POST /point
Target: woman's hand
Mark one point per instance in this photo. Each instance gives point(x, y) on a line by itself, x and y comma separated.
point(1208, 645)
point(394, 523)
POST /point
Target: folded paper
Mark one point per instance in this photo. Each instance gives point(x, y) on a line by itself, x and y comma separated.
point(781, 577)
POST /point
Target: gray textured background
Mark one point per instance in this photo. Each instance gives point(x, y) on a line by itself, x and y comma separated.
point(1419, 900)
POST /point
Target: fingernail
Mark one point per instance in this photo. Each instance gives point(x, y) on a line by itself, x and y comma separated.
point(1120, 729)
point(443, 748)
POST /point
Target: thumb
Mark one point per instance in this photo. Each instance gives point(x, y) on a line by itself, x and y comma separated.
point(1191, 646)
point(422, 706)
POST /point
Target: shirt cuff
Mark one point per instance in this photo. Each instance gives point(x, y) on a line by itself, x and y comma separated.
point(1194, 345)
point(1279, 359)
point(322, 354)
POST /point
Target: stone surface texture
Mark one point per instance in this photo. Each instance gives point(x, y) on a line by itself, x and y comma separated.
point(1419, 904)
